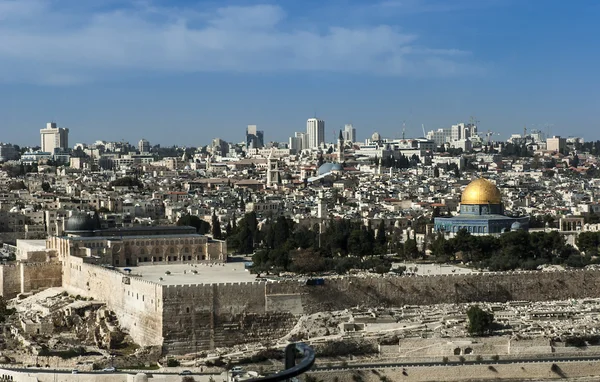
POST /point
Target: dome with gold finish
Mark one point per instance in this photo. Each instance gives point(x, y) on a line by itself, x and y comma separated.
point(481, 191)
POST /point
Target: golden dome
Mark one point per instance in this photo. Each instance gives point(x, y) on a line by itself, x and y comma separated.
point(481, 191)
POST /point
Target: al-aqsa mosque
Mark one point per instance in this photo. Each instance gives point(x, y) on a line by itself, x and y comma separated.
point(481, 212)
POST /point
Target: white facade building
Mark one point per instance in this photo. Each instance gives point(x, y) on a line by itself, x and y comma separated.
point(349, 133)
point(315, 131)
point(54, 138)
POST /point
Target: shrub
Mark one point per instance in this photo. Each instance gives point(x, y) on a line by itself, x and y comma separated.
point(172, 362)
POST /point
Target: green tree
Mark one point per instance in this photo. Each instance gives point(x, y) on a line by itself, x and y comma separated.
point(46, 186)
point(436, 172)
point(5, 312)
point(411, 249)
point(202, 227)
point(216, 226)
point(480, 321)
point(381, 239)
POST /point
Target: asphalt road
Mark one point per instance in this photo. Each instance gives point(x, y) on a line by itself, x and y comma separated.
point(483, 362)
point(329, 368)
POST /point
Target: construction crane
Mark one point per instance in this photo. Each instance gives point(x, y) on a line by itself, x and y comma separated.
point(489, 135)
point(423, 127)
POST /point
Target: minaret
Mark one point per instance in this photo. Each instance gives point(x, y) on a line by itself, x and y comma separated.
point(340, 148)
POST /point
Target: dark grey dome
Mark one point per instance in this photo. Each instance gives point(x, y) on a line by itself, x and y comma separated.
point(81, 222)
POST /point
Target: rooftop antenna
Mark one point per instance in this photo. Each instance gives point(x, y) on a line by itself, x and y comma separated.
point(403, 129)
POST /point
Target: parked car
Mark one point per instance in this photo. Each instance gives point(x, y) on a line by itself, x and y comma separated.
point(109, 369)
point(74, 371)
point(185, 372)
point(236, 369)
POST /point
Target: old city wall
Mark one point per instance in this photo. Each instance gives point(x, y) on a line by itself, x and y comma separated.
point(206, 316)
point(345, 292)
point(28, 277)
point(137, 303)
point(35, 277)
point(10, 280)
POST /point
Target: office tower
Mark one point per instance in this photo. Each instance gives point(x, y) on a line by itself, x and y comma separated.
point(349, 133)
point(143, 146)
point(254, 138)
point(315, 131)
point(54, 138)
point(295, 144)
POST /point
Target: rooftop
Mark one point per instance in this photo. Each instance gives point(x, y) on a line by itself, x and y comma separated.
point(182, 274)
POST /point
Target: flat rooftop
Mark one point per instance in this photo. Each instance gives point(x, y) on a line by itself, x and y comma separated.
point(182, 274)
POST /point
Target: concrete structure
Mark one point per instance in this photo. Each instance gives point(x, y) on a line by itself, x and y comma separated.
point(349, 133)
point(315, 131)
point(254, 137)
point(556, 144)
point(481, 212)
point(143, 146)
point(54, 138)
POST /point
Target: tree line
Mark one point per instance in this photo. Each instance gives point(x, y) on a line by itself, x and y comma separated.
point(509, 251)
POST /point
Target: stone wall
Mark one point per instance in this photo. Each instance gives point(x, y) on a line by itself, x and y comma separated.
point(10, 280)
point(28, 277)
point(207, 316)
point(36, 277)
point(136, 302)
point(345, 292)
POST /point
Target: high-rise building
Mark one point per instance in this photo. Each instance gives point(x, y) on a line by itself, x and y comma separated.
point(254, 138)
point(54, 138)
point(143, 146)
point(315, 131)
point(349, 133)
point(439, 136)
point(556, 143)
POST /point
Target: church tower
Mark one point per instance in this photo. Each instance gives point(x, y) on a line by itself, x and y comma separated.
point(272, 170)
point(340, 148)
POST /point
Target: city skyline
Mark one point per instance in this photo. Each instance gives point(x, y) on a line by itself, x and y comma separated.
point(509, 64)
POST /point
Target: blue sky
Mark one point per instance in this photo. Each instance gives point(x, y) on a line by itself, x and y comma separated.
point(184, 72)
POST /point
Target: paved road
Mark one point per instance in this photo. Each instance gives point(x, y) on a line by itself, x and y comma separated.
point(363, 366)
point(483, 362)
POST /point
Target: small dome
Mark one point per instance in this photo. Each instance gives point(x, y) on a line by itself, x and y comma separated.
point(481, 191)
point(516, 226)
point(81, 222)
point(376, 137)
point(329, 167)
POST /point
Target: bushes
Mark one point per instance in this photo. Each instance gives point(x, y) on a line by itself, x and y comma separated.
point(172, 362)
point(345, 347)
point(64, 354)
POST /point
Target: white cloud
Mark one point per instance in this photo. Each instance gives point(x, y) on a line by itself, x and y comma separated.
point(46, 44)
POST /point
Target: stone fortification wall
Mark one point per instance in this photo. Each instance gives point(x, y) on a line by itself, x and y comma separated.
point(10, 280)
point(136, 302)
point(35, 277)
point(28, 277)
point(207, 316)
point(342, 293)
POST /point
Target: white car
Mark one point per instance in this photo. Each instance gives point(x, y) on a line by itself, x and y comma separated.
point(236, 369)
point(109, 369)
point(74, 371)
